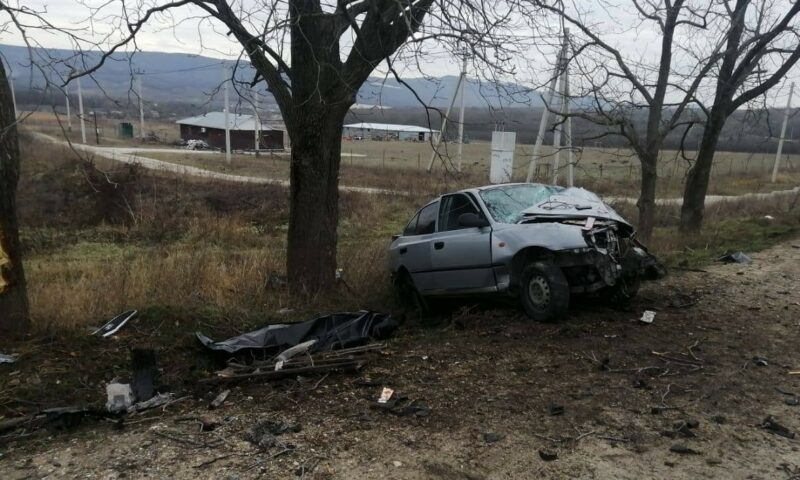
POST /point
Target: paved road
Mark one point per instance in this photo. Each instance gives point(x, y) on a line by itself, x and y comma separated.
point(139, 156)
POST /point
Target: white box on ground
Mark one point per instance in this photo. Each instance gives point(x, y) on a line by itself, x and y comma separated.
point(502, 166)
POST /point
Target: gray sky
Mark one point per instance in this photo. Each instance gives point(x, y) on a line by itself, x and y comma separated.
point(185, 32)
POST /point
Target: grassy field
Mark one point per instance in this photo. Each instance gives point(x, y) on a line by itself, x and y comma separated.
point(153, 241)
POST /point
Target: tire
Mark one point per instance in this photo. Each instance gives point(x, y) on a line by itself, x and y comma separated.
point(407, 296)
point(624, 291)
point(544, 292)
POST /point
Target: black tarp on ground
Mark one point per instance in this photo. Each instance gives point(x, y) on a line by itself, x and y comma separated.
point(338, 330)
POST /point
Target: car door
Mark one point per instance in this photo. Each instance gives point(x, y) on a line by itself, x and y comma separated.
point(461, 257)
point(414, 247)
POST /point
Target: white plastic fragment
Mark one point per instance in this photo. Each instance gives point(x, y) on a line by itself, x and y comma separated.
point(7, 358)
point(648, 316)
point(120, 397)
point(386, 394)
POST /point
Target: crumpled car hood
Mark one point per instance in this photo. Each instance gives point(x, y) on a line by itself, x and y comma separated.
point(574, 203)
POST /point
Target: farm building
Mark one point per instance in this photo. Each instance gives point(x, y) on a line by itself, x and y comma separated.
point(210, 127)
point(387, 131)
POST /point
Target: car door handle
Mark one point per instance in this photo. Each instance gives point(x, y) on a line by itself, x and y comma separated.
point(403, 250)
point(438, 245)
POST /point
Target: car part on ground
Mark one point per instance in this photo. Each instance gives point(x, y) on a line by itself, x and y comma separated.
point(539, 243)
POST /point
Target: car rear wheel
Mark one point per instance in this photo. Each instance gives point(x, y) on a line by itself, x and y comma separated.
point(544, 291)
point(408, 297)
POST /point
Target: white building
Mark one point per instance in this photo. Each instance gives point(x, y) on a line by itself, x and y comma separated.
point(388, 131)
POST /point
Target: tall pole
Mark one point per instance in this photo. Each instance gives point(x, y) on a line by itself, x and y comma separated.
point(783, 134)
point(69, 116)
point(461, 116)
point(559, 127)
point(227, 125)
point(80, 111)
point(96, 128)
point(546, 113)
point(141, 105)
point(13, 95)
point(257, 120)
point(444, 122)
point(568, 140)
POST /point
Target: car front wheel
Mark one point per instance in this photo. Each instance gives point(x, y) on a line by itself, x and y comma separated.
point(544, 291)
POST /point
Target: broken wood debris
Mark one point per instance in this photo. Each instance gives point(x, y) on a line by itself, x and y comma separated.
point(344, 360)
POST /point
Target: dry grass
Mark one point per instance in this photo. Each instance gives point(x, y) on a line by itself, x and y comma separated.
point(211, 247)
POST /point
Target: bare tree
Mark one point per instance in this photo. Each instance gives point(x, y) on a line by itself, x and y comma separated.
point(762, 46)
point(639, 100)
point(314, 55)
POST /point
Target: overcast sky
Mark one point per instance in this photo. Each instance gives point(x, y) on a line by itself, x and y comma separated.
point(184, 33)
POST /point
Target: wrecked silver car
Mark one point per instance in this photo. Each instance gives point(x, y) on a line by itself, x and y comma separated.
point(539, 243)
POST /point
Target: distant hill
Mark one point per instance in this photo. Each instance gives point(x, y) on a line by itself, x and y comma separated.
point(177, 77)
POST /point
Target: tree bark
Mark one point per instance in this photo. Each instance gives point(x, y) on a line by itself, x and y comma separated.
point(647, 196)
point(314, 205)
point(696, 187)
point(13, 295)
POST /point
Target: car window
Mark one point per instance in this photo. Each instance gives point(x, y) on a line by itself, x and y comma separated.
point(412, 226)
point(452, 207)
point(427, 219)
point(506, 203)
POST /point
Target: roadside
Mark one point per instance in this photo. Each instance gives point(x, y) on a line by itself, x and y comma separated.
point(718, 354)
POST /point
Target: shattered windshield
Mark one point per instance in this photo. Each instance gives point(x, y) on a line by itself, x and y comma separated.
point(506, 203)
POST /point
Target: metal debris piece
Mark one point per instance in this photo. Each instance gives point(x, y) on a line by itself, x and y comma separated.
point(115, 324)
point(648, 316)
point(683, 449)
point(298, 349)
point(760, 361)
point(555, 409)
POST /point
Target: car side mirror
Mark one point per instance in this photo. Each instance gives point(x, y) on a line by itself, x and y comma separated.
point(471, 220)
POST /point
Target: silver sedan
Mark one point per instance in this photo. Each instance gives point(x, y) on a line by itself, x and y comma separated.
point(538, 243)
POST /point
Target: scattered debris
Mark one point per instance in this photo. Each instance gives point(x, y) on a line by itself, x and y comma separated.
point(115, 324)
point(264, 434)
point(197, 145)
point(348, 359)
point(547, 456)
point(120, 397)
point(683, 449)
point(386, 394)
point(760, 361)
point(157, 401)
point(219, 399)
point(792, 401)
point(555, 409)
point(397, 463)
point(402, 406)
point(682, 428)
point(143, 366)
point(795, 372)
point(335, 331)
point(735, 257)
point(7, 358)
point(648, 316)
point(491, 437)
point(298, 349)
point(772, 426)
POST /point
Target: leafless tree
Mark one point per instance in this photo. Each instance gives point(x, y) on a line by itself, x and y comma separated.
point(314, 55)
point(639, 99)
point(762, 44)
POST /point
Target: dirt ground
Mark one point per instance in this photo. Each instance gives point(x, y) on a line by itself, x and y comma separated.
point(494, 382)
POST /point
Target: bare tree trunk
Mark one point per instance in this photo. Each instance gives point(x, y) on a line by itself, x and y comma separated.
point(314, 206)
point(13, 295)
point(647, 197)
point(696, 188)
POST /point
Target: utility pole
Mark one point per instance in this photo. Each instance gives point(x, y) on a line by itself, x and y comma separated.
point(13, 95)
point(96, 128)
point(80, 111)
point(560, 125)
point(141, 104)
point(444, 122)
point(69, 116)
point(461, 115)
point(568, 119)
point(783, 134)
point(562, 57)
point(257, 120)
point(227, 125)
